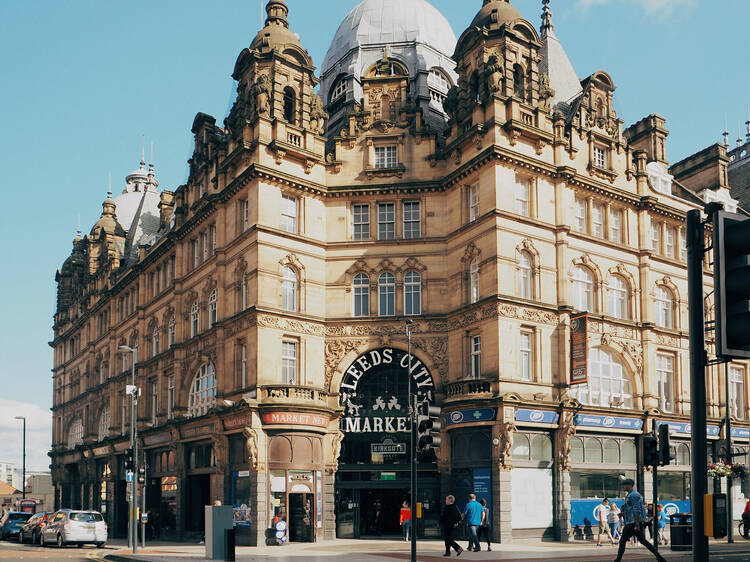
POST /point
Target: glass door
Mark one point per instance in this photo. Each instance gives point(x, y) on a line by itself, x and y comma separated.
point(347, 507)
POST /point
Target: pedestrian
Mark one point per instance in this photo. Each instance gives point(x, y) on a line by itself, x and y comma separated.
point(405, 519)
point(649, 524)
point(485, 527)
point(613, 520)
point(661, 525)
point(449, 520)
point(746, 520)
point(634, 514)
point(473, 517)
point(601, 513)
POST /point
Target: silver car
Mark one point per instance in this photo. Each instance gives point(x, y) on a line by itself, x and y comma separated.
point(72, 526)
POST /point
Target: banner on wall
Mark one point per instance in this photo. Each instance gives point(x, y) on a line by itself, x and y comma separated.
point(483, 487)
point(579, 351)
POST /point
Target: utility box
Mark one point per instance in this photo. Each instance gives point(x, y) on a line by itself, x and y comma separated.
point(715, 515)
point(219, 518)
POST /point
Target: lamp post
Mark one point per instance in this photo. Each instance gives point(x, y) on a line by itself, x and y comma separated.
point(23, 477)
point(412, 446)
point(133, 391)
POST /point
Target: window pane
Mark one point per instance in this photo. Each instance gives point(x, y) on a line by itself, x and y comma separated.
point(289, 213)
point(521, 449)
point(386, 221)
point(412, 219)
point(386, 295)
point(412, 293)
point(361, 295)
point(361, 222)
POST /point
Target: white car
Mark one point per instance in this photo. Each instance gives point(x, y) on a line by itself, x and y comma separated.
point(72, 526)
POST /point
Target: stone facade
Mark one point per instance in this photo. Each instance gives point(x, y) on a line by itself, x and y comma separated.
point(294, 250)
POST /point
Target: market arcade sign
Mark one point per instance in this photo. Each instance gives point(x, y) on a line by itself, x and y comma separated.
point(374, 392)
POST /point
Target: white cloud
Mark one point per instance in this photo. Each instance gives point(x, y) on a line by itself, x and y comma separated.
point(656, 8)
point(38, 434)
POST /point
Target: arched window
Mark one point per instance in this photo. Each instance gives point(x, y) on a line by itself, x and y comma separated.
point(412, 293)
point(683, 454)
point(338, 90)
point(289, 289)
point(474, 85)
point(212, 308)
point(386, 294)
point(361, 290)
point(519, 83)
point(75, 433)
point(608, 384)
point(155, 340)
point(525, 276)
point(202, 391)
point(290, 105)
point(611, 452)
point(583, 289)
point(618, 297)
point(664, 308)
point(541, 448)
point(576, 450)
point(438, 85)
point(520, 449)
point(474, 280)
point(103, 423)
point(593, 450)
point(171, 331)
point(195, 316)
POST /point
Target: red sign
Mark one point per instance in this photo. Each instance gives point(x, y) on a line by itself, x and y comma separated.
point(295, 418)
point(579, 351)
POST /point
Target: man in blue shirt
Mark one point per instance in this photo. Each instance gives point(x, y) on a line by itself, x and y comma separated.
point(634, 514)
point(473, 516)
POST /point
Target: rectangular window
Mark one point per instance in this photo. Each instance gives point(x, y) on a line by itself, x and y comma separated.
point(289, 362)
point(154, 401)
point(204, 246)
point(683, 246)
point(669, 242)
point(581, 208)
point(361, 222)
point(386, 221)
point(243, 365)
point(737, 392)
point(472, 194)
point(212, 238)
point(597, 220)
point(475, 356)
point(194, 254)
point(526, 355)
point(615, 225)
point(523, 196)
point(600, 157)
point(171, 332)
point(386, 156)
point(412, 219)
point(656, 237)
point(124, 414)
point(244, 215)
point(665, 381)
point(289, 213)
point(170, 397)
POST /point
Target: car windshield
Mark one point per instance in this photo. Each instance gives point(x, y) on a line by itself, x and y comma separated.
point(18, 516)
point(85, 517)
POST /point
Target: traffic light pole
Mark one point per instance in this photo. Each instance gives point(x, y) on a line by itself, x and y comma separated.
point(412, 447)
point(655, 501)
point(699, 479)
point(728, 429)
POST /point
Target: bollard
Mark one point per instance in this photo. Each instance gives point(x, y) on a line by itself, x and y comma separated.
point(229, 542)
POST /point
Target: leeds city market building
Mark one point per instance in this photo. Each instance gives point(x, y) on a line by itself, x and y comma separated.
point(475, 186)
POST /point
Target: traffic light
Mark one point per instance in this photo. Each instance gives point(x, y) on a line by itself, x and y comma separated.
point(128, 459)
point(141, 475)
point(650, 454)
point(428, 427)
point(731, 243)
point(665, 455)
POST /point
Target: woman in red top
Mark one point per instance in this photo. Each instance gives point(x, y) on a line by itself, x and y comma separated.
point(405, 520)
point(746, 520)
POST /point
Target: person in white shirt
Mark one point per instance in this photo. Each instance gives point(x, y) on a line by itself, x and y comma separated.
point(601, 513)
point(613, 519)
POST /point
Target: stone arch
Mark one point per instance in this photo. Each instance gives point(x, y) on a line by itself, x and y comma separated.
point(586, 261)
point(359, 266)
point(632, 284)
point(667, 283)
point(631, 364)
point(291, 260)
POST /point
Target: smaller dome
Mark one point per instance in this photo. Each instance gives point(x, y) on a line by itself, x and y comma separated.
point(138, 173)
point(495, 13)
point(108, 221)
point(276, 31)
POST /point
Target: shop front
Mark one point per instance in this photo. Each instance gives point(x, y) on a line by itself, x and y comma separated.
point(373, 479)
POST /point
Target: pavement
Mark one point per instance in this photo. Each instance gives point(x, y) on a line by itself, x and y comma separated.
point(346, 550)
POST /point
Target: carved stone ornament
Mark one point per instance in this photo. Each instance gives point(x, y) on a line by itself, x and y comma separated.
point(507, 429)
point(220, 451)
point(546, 92)
point(335, 351)
point(251, 435)
point(262, 92)
point(565, 431)
point(318, 115)
point(336, 440)
point(493, 72)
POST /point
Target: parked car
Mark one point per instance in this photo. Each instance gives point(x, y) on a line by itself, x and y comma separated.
point(11, 523)
point(73, 526)
point(31, 530)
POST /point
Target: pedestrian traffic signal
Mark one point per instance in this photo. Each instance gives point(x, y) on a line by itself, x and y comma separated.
point(731, 243)
point(128, 460)
point(650, 453)
point(428, 426)
point(665, 454)
point(141, 475)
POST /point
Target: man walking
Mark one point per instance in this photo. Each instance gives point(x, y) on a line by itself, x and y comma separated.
point(473, 515)
point(602, 513)
point(449, 518)
point(634, 515)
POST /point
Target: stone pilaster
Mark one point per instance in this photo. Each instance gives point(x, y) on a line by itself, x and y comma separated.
point(562, 504)
point(329, 505)
point(502, 525)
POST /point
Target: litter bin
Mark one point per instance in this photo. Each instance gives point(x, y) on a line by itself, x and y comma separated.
point(681, 531)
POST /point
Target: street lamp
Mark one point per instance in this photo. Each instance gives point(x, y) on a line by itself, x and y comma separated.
point(23, 478)
point(132, 389)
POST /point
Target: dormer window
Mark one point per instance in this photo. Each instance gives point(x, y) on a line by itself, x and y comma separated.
point(600, 157)
point(339, 89)
point(386, 156)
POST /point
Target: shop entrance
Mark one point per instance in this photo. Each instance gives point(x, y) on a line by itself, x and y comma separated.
point(301, 517)
point(198, 496)
point(379, 511)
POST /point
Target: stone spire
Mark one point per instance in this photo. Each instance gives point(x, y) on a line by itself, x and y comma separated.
point(547, 24)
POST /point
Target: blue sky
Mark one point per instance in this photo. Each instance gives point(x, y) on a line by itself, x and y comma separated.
point(83, 80)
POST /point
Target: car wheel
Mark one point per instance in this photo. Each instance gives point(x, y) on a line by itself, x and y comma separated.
point(60, 542)
point(80, 545)
point(99, 544)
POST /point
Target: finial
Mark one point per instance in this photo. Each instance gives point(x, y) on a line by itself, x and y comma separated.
point(277, 11)
point(547, 25)
point(726, 132)
point(143, 151)
point(109, 186)
point(151, 162)
point(739, 134)
point(747, 123)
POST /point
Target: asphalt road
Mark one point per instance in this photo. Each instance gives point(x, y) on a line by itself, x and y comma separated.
point(12, 550)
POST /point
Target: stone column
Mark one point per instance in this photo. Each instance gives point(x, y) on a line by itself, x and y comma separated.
point(566, 429)
point(258, 483)
point(562, 504)
point(502, 492)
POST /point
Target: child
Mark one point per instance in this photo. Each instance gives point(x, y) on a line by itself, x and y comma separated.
point(661, 525)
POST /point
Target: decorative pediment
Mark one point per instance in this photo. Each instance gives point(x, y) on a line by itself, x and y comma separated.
point(528, 246)
point(470, 253)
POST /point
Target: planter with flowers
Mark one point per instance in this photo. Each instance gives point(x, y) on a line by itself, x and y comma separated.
point(719, 469)
point(739, 471)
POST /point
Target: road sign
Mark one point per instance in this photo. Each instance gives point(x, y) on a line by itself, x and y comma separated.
point(129, 476)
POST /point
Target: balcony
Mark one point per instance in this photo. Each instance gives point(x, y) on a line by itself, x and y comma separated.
point(471, 389)
point(297, 396)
